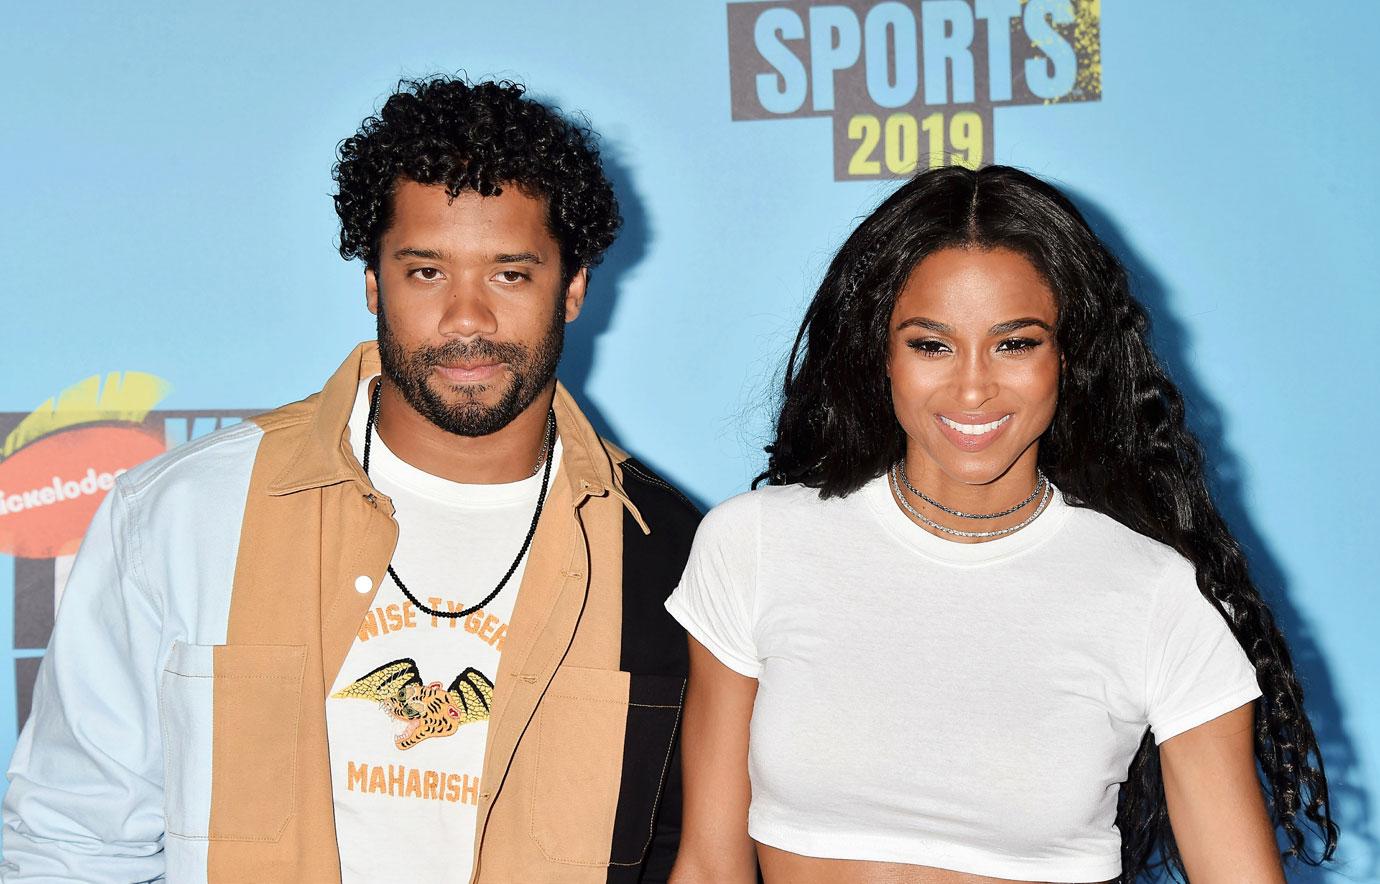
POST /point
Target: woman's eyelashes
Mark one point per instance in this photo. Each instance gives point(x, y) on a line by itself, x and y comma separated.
point(934, 347)
point(927, 346)
point(1018, 345)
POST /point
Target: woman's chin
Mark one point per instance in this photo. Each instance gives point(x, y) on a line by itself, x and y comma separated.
point(966, 469)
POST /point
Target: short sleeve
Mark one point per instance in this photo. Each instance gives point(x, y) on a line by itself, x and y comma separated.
point(714, 600)
point(1195, 668)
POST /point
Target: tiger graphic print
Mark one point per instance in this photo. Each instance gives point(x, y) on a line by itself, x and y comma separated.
point(426, 709)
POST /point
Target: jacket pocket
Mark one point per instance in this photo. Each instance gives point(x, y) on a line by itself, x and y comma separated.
point(604, 747)
point(234, 709)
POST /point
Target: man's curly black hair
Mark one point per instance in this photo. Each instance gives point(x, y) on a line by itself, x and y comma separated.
point(481, 137)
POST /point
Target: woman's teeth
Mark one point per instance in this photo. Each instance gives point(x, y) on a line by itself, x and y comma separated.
point(974, 429)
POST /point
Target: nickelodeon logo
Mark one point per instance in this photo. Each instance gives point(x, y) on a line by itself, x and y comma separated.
point(64, 456)
point(57, 463)
point(60, 490)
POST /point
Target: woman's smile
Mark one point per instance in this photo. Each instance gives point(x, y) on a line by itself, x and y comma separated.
point(972, 432)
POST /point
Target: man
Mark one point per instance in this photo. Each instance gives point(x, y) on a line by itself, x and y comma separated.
point(410, 628)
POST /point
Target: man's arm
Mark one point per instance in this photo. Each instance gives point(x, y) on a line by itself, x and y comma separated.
point(85, 800)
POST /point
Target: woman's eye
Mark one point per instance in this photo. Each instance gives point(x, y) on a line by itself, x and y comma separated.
point(927, 346)
point(1018, 344)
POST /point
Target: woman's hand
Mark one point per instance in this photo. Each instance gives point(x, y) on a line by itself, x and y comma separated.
point(714, 844)
point(1216, 807)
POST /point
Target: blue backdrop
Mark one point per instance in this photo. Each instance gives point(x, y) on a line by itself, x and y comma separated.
point(166, 176)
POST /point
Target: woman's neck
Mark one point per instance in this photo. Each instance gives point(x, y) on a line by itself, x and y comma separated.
point(1010, 498)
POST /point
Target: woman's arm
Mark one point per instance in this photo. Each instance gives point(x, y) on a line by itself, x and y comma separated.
point(714, 844)
point(1216, 807)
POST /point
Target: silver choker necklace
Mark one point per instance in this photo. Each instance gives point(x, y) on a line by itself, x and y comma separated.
point(894, 473)
point(1040, 482)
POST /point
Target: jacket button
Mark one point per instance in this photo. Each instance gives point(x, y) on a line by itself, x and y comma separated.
point(363, 584)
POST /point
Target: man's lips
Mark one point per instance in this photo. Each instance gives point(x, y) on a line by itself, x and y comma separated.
point(972, 431)
point(470, 372)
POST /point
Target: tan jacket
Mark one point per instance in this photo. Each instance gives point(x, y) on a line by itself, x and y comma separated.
point(213, 603)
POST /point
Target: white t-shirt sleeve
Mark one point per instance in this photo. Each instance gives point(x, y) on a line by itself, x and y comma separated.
point(1195, 668)
point(715, 598)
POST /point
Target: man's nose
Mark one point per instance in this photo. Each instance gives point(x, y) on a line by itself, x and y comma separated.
point(468, 313)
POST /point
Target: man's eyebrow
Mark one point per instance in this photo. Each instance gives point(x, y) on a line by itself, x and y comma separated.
point(518, 258)
point(1006, 328)
point(922, 322)
point(424, 254)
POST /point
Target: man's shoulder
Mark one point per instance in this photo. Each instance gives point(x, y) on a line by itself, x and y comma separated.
point(188, 464)
point(652, 484)
point(205, 464)
point(659, 501)
point(290, 417)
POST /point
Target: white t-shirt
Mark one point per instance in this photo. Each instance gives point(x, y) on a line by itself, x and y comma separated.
point(407, 716)
point(965, 706)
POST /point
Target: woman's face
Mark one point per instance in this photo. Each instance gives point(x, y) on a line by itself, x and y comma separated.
point(974, 366)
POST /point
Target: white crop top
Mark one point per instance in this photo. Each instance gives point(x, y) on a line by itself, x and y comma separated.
point(972, 707)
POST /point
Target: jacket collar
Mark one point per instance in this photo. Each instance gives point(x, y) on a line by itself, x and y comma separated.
point(326, 458)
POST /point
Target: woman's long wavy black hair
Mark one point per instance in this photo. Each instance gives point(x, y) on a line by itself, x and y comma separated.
point(1118, 444)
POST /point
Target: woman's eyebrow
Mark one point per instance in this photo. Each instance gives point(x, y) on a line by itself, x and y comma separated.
point(922, 322)
point(1001, 328)
point(1005, 328)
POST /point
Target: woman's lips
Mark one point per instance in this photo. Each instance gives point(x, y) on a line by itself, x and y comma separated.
point(470, 374)
point(972, 432)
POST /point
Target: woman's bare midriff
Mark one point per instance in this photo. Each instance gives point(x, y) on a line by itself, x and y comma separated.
point(784, 867)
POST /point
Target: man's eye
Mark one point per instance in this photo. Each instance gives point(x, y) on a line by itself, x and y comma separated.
point(512, 276)
point(430, 274)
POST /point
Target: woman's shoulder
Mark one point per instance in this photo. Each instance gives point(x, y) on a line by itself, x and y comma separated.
point(770, 503)
point(767, 514)
point(1122, 548)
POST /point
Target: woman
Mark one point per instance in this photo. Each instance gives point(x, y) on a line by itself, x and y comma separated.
point(984, 622)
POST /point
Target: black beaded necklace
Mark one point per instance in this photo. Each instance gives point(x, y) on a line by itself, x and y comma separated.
point(531, 531)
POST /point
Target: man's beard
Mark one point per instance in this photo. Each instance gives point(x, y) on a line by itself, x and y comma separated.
point(530, 369)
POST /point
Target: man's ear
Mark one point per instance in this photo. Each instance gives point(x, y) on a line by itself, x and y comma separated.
point(371, 290)
point(575, 294)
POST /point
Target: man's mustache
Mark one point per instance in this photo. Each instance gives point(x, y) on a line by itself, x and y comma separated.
point(471, 351)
